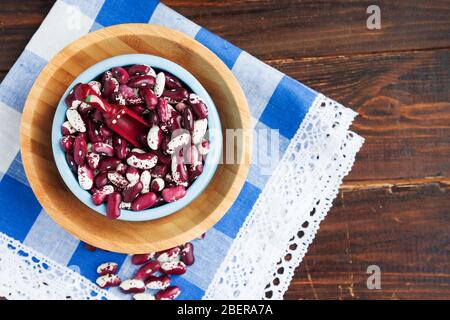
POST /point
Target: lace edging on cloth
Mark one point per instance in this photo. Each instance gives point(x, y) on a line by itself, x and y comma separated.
point(285, 218)
point(27, 274)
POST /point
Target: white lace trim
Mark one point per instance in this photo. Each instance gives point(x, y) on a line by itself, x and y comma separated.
point(27, 274)
point(285, 218)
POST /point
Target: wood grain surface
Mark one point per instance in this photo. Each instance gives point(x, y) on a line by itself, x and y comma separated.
point(393, 210)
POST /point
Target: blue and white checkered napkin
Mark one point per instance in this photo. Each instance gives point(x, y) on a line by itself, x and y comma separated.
point(231, 244)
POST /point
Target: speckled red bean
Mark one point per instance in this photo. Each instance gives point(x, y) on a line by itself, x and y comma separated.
point(187, 254)
point(160, 83)
point(112, 205)
point(147, 270)
point(175, 122)
point(99, 195)
point(85, 177)
point(145, 178)
point(131, 191)
point(177, 142)
point(96, 86)
point(203, 147)
point(170, 293)
point(107, 268)
point(173, 267)
point(108, 163)
point(132, 174)
point(198, 106)
point(173, 194)
point(179, 170)
point(143, 296)
point(177, 95)
point(70, 98)
point(157, 185)
point(157, 283)
point(82, 91)
point(168, 254)
point(141, 81)
point(103, 149)
point(163, 159)
point(159, 171)
point(144, 201)
point(122, 169)
point(153, 119)
point(85, 108)
point(67, 129)
point(92, 159)
point(75, 120)
point(162, 108)
point(67, 143)
point(93, 133)
point(142, 258)
point(97, 117)
point(132, 286)
point(110, 86)
point(108, 281)
point(154, 137)
point(139, 109)
point(79, 149)
point(105, 132)
point(142, 161)
point(120, 74)
point(180, 106)
point(118, 180)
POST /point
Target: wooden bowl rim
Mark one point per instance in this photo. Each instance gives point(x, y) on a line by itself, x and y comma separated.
point(31, 167)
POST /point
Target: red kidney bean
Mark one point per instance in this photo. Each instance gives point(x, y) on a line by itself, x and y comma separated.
point(154, 138)
point(199, 130)
point(132, 174)
point(157, 185)
point(138, 69)
point(79, 149)
point(97, 116)
point(75, 120)
point(67, 143)
point(142, 258)
point(82, 91)
point(127, 92)
point(157, 283)
point(108, 163)
point(103, 149)
point(99, 195)
point(198, 106)
point(118, 98)
point(132, 286)
point(170, 293)
point(112, 205)
point(71, 162)
point(179, 170)
point(118, 180)
point(135, 101)
point(131, 191)
point(93, 159)
point(105, 132)
point(142, 161)
point(141, 81)
point(175, 95)
point(168, 254)
point(120, 74)
point(93, 132)
point(180, 107)
point(101, 179)
point(150, 98)
point(85, 177)
point(70, 98)
point(172, 82)
point(106, 76)
point(188, 119)
point(173, 194)
point(110, 86)
point(67, 129)
point(107, 268)
point(153, 119)
point(139, 109)
point(159, 171)
point(108, 281)
point(144, 201)
point(162, 108)
point(120, 147)
point(147, 270)
point(187, 254)
point(173, 267)
point(175, 122)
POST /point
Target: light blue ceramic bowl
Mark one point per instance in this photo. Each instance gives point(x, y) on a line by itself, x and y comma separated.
point(215, 136)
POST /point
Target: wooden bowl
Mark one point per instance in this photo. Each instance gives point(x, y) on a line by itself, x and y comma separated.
point(64, 207)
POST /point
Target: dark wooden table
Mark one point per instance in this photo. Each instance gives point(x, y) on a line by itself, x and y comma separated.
point(394, 208)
